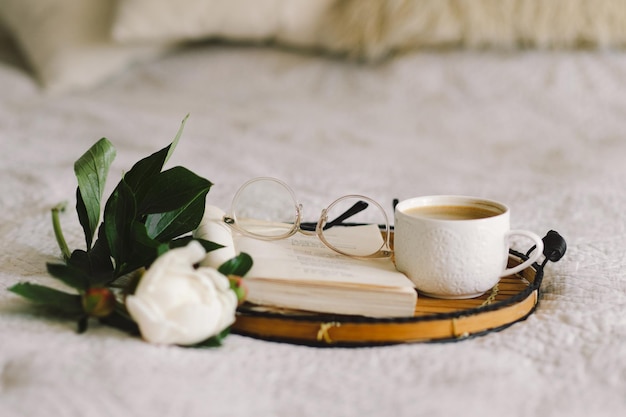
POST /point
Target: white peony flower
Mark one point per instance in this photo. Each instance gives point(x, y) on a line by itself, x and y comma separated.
point(176, 303)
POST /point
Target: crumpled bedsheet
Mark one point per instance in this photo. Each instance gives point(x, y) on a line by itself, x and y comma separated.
point(544, 132)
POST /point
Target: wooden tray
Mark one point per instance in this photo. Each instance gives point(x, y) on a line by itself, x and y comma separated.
point(513, 299)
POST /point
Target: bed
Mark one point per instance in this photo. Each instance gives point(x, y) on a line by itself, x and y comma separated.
point(539, 128)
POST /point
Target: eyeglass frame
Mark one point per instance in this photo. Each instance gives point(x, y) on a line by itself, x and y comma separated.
point(384, 251)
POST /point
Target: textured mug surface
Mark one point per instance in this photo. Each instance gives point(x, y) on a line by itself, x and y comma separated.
point(455, 258)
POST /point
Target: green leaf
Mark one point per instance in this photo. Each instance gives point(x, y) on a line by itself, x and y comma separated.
point(69, 275)
point(141, 175)
point(214, 341)
point(82, 324)
point(142, 251)
point(119, 215)
point(83, 218)
point(173, 189)
point(91, 171)
point(49, 297)
point(121, 321)
point(184, 241)
point(95, 263)
point(176, 139)
point(100, 264)
point(167, 226)
point(239, 265)
point(88, 263)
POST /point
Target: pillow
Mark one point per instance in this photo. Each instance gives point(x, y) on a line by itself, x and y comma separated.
point(8, 51)
point(287, 21)
point(67, 42)
point(371, 29)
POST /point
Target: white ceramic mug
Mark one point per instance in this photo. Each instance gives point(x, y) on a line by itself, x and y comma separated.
point(455, 246)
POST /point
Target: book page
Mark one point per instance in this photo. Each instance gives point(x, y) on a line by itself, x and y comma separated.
point(305, 258)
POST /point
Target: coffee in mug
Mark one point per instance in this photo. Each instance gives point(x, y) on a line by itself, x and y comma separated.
point(455, 246)
point(451, 212)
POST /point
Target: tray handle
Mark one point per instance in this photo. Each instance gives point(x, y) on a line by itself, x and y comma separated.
point(554, 247)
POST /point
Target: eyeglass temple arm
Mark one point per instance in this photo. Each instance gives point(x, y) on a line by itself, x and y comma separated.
point(357, 207)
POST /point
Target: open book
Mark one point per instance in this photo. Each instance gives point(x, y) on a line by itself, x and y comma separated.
point(302, 273)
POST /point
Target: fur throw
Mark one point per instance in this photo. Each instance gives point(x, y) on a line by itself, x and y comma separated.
point(371, 29)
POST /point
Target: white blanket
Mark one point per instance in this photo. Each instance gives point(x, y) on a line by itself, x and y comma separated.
point(543, 132)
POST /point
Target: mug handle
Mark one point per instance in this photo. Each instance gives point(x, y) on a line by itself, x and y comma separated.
point(532, 258)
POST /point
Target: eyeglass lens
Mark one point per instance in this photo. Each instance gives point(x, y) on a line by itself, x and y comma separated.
point(267, 208)
point(348, 212)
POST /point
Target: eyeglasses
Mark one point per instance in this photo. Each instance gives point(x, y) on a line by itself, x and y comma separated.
point(266, 208)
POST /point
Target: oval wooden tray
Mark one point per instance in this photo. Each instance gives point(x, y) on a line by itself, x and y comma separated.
point(513, 299)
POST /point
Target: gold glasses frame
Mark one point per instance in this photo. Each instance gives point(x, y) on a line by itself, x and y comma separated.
point(322, 223)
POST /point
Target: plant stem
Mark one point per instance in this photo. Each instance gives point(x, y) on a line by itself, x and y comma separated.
point(58, 233)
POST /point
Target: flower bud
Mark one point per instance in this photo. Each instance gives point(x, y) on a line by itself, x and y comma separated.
point(98, 302)
point(238, 285)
